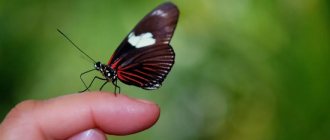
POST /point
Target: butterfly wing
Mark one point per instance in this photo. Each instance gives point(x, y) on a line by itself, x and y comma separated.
point(144, 58)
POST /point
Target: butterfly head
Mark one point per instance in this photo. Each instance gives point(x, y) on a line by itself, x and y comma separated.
point(107, 71)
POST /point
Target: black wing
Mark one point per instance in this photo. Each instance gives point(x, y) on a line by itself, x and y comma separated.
point(144, 58)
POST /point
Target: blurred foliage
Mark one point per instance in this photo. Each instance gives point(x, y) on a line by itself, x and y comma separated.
point(245, 69)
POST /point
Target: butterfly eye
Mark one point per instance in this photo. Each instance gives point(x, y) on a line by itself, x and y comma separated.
point(97, 65)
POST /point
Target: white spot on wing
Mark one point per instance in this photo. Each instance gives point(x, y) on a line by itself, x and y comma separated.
point(155, 86)
point(142, 40)
point(159, 12)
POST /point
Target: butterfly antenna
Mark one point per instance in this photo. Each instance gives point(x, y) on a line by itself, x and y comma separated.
point(75, 45)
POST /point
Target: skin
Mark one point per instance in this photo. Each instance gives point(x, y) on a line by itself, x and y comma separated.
point(79, 116)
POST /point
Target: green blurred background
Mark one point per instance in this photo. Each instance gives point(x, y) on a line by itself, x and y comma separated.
point(245, 69)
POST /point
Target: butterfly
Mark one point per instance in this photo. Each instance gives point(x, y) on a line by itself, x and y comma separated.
point(145, 57)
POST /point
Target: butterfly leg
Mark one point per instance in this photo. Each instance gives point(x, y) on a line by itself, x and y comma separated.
point(96, 77)
point(83, 80)
point(114, 82)
point(103, 85)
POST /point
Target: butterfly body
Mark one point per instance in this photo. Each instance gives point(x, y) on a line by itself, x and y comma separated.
point(106, 71)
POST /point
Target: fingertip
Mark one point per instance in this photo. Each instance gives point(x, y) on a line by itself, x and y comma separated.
point(131, 115)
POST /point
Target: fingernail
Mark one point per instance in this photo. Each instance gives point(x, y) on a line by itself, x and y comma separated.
point(91, 134)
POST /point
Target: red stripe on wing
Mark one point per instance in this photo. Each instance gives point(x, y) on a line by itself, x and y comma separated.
point(129, 80)
point(132, 75)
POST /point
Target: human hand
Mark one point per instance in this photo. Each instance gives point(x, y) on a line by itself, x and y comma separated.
point(84, 116)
